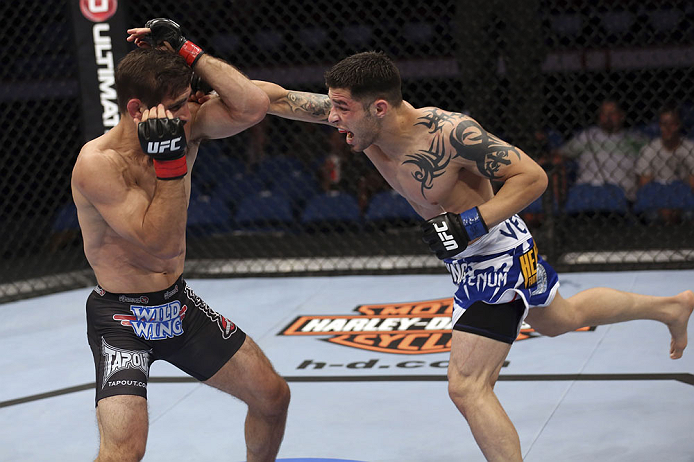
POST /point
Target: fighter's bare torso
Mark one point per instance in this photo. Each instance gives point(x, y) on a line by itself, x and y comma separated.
point(447, 165)
point(125, 175)
point(438, 160)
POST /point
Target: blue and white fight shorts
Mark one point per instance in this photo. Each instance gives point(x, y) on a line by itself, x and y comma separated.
point(502, 268)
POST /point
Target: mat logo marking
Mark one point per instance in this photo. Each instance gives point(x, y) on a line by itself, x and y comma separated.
point(401, 328)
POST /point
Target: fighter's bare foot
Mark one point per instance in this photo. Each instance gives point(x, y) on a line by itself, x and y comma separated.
point(678, 327)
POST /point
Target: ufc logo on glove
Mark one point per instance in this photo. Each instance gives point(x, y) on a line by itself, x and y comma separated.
point(448, 234)
point(159, 147)
point(447, 239)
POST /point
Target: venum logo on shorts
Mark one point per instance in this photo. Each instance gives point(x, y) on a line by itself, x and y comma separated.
point(117, 359)
point(227, 327)
point(464, 275)
point(155, 322)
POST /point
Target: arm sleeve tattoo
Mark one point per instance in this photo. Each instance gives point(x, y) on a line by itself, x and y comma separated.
point(472, 142)
point(308, 106)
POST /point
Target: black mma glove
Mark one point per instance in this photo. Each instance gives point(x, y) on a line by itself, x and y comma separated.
point(197, 84)
point(448, 234)
point(165, 142)
point(165, 30)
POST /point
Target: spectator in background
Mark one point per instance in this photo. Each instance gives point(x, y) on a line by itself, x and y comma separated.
point(343, 171)
point(330, 173)
point(606, 152)
point(667, 158)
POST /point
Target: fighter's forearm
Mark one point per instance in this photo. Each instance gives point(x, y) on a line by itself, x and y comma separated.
point(236, 91)
point(299, 105)
point(517, 192)
point(164, 223)
point(296, 105)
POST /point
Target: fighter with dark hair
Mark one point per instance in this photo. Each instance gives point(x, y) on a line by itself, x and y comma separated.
point(443, 162)
point(132, 188)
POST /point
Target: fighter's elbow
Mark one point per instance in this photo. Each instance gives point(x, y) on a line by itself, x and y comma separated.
point(256, 112)
point(541, 181)
point(258, 105)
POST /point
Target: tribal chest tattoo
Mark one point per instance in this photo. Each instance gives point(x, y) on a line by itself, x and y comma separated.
point(468, 140)
point(431, 163)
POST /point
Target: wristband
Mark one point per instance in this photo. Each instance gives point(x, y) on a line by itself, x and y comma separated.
point(171, 169)
point(191, 52)
point(473, 223)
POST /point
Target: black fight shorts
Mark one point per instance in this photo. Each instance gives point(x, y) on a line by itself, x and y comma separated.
point(500, 321)
point(127, 332)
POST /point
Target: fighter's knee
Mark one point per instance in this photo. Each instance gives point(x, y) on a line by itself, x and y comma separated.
point(281, 396)
point(551, 330)
point(131, 450)
point(275, 396)
point(463, 390)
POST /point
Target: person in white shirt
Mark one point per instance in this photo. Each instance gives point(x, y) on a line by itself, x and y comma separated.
point(606, 152)
point(668, 158)
point(671, 156)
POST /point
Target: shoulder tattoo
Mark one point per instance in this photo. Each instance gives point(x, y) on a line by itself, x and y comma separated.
point(431, 163)
point(314, 105)
point(472, 142)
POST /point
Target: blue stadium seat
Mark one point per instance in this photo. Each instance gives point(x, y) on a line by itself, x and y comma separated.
point(650, 130)
point(208, 215)
point(66, 218)
point(313, 37)
point(277, 168)
point(537, 207)
point(269, 40)
point(264, 211)
point(417, 32)
point(358, 35)
point(298, 188)
point(654, 196)
point(389, 205)
point(555, 139)
point(331, 207)
point(211, 165)
point(566, 24)
point(665, 20)
point(589, 198)
point(617, 22)
point(233, 189)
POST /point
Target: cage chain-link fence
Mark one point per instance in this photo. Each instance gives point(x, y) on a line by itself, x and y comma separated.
point(578, 85)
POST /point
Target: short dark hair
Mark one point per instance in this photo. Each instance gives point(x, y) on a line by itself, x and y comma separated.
point(150, 75)
point(671, 107)
point(368, 76)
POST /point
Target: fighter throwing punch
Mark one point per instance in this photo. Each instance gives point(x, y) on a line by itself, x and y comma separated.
point(442, 163)
point(132, 188)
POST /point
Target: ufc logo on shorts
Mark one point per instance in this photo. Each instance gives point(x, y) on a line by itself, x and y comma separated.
point(158, 147)
point(448, 241)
